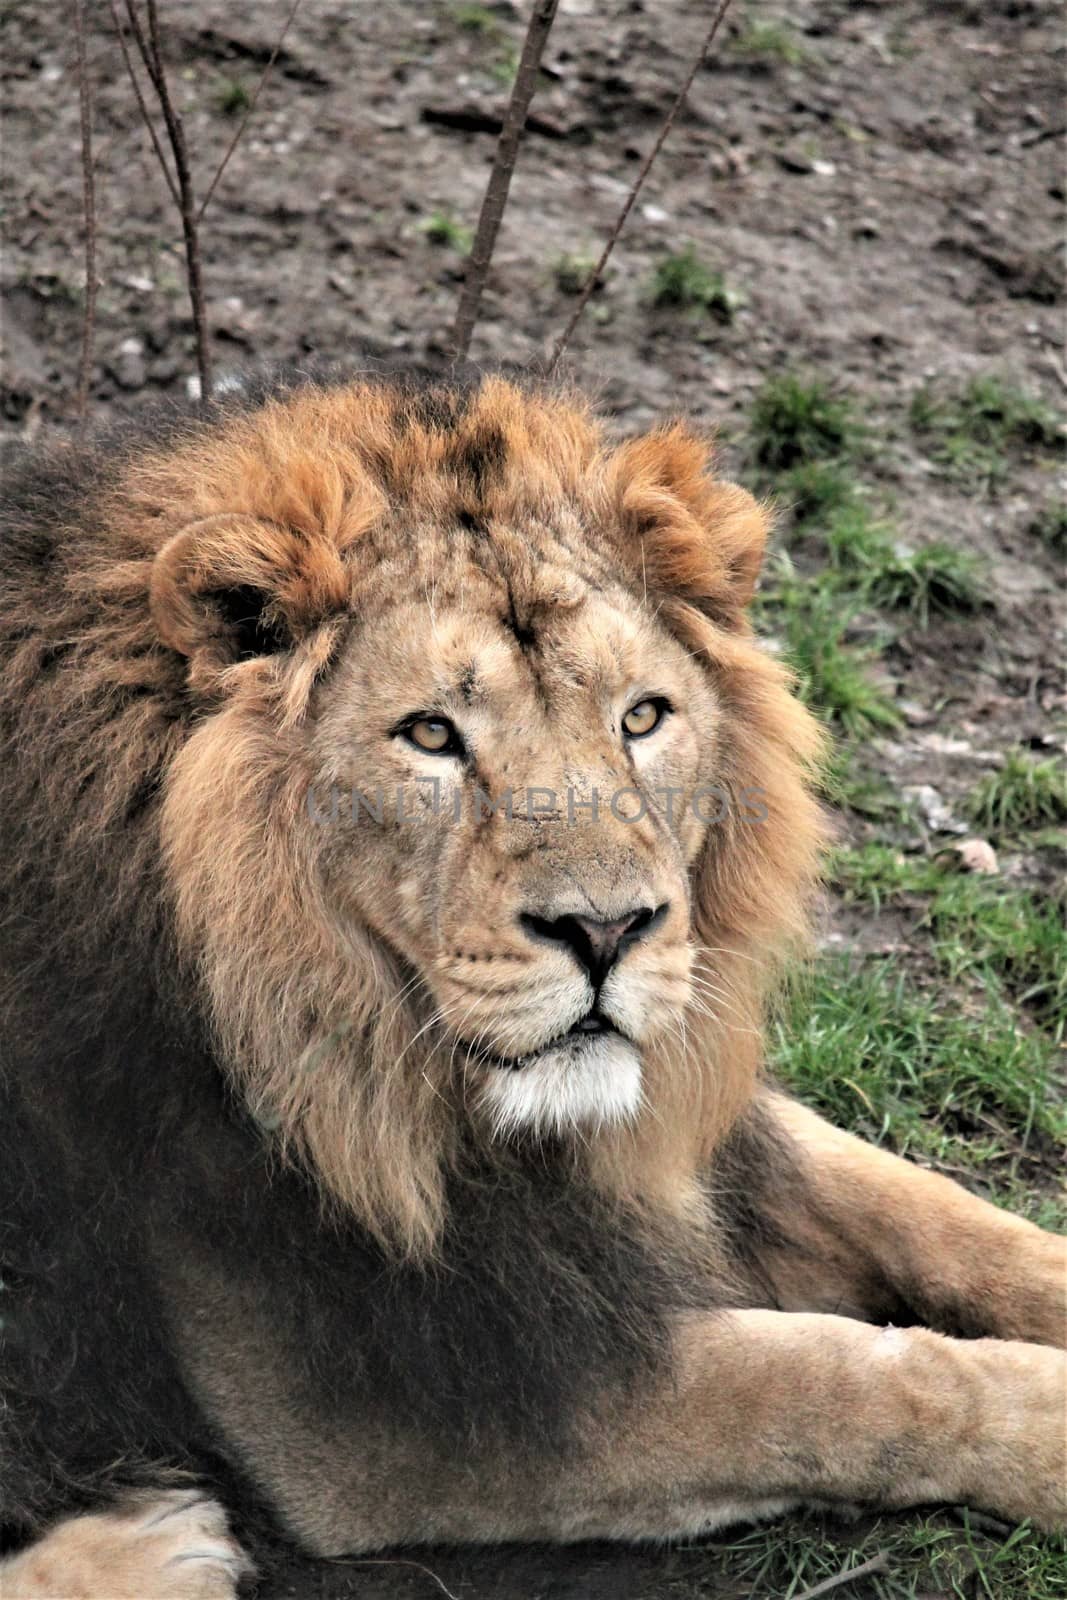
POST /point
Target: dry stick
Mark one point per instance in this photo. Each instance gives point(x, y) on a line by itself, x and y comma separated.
point(176, 133)
point(496, 190)
point(878, 1563)
point(152, 55)
point(146, 115)
point(85, 367)
point(627, 207)
point(235, 141)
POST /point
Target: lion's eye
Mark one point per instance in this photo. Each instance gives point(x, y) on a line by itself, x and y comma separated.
point(436, 735)
point(644, 718)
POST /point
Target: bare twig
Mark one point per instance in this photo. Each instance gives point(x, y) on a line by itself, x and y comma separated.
point(151, 53)
point(85, 367)
point(627, 205)
point(878, 1563)
point(496, 190)
point(239, 135)
point(146, 115)
point(142, 42)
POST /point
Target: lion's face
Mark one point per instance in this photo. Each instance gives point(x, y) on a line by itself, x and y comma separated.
point(491, 815)
point(506, 762)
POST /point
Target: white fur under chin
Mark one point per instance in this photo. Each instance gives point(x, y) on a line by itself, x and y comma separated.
point(585, 1083)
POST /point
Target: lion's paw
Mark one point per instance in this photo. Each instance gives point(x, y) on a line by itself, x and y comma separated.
point(170, 1546)
point(1025, 1461)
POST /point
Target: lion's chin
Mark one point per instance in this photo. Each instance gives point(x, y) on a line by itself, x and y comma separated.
point(585, 1083)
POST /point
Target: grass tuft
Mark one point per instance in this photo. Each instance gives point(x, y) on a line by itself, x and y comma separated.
point(916, 1072)
point(924, 1555)
point(795, 421)
point(474, 18)
point(682, 282)
point(936, 577)
point(813, 489)
point(1022, 794)
point(972, 432)
point(981, 928)
point(846, 781)
point(233, 98)
point(812, 621)
point(504, 69)
point(768, 43)
point(442, 229)
point(571, 271)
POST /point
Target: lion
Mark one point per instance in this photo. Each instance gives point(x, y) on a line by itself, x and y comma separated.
point(404, 834)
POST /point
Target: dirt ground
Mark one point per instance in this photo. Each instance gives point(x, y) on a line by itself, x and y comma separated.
point(890, 208)
point(887, 198)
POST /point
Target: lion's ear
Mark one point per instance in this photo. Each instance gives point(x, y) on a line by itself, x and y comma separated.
point(231, 587)
point(687, 533)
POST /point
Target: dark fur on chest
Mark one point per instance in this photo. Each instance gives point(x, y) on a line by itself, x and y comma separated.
point(133, 1174)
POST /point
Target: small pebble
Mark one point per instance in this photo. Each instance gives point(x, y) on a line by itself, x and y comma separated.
point(977, 855)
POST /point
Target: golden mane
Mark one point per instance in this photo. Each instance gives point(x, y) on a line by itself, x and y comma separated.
point(312, 1019)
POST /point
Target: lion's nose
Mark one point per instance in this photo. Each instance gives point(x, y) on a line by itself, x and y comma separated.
point(597, 945)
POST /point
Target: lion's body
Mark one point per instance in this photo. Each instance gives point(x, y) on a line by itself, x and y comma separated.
point(270, 1212)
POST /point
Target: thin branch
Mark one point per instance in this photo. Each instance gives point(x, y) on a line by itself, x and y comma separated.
point(878, 1563)
point(142, 43)
point(146, 116)
point(627, 206)
point(85, 368)
point(235, 141)
point(496, 190)
point(152, 56)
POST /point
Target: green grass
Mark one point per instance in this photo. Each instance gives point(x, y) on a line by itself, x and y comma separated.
point(948, 1051)
point(927, 1557)
point(806, 437)
point(878, 874)
point(812, 490)
point(1012, 940)
point(915, 1071)
point(1019, 795)
point(1045, 1208)
point(504, 69)
point(681, 281)
point(804, 442)
point(971, 433)
point(847, 781)
point(571, 270)
point(474, 18)
point(935, 577)
point(233, 97)
point(812, 621)
point(940, 1056)
point(795, 421)
point(983, 927)
point(868, 562)
point(769, 43)
point(442, 229)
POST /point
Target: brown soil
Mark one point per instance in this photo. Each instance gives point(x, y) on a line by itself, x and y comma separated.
point(890, 208)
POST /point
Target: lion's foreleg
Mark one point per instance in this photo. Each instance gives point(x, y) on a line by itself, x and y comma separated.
point(860, 1220)
point(769, 1408)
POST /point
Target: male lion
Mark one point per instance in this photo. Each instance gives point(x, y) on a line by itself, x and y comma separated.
point(402, 829)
